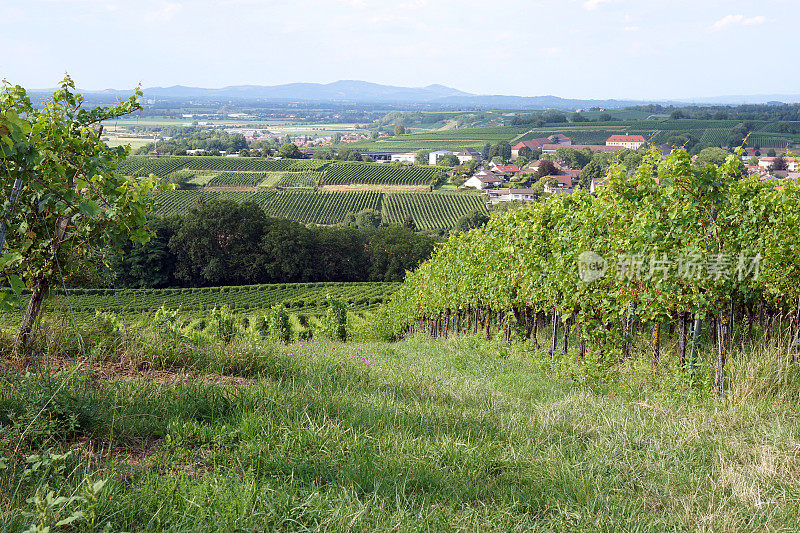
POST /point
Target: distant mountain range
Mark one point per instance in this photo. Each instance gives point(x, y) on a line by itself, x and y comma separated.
point(373, 93)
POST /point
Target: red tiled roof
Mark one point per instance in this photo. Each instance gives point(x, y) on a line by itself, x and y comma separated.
point(625, 139)
point(532, 144)
point(566, 181)
point(592, 147)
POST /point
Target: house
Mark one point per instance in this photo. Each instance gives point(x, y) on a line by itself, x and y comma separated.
point(507, 170)
point(409, 158)
point(551, 148)
point(755, 169)
point(498, 195)
point(507, 195)
point(434, 157)
point(626, 141)
point(767, 162)
point(597, 183)
point(562, 181)
point(557, 140)
point(527, 195)
point(484, 180)
point(469, 154)
point(378, 157)
point(556, 189)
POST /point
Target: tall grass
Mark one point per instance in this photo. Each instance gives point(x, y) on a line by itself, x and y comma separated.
point(421, 434)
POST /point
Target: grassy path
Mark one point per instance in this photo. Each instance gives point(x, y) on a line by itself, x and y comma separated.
point(425, 435)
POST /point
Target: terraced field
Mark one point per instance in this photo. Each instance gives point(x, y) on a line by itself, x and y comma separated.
point(300, 297)
point(431, 210)
point(309, 207)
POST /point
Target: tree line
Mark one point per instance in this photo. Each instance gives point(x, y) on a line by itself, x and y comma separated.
point(226, 243)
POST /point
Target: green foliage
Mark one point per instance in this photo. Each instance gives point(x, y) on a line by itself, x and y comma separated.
point(73, 199)
point(334, 323)
point(436, 210)
point(49, 408)
point(279, 327)
point(379, 174)
point(239, 298)
point(223, 322)
point(529, 258)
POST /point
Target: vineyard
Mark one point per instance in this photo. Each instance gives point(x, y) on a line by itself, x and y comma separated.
point(380, 174)
point(237, 179)
point(250, 172)
point(304, 179)
point(430, 210)
point(308, 298)
point(161, 166)
point(700, 246)
point(309, 207)
point(179, 202)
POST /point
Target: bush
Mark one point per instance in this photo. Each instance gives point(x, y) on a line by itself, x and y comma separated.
point(279, 327)
point(334, 324)
point(224, 323)
point(51, 407)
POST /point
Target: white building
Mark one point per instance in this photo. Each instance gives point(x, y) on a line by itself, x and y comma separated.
point(767, 162)
point(408, 158)
point(434, 157)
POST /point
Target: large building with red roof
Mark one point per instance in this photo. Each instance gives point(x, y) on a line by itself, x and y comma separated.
point(626, 141)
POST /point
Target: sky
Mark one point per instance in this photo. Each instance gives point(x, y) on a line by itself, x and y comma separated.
point(637, 49)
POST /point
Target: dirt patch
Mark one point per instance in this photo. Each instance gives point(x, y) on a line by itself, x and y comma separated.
point(126, 369)
point(378, 188)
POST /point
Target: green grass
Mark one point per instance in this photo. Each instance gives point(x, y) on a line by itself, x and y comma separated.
point(301, 297)
point(418, 435)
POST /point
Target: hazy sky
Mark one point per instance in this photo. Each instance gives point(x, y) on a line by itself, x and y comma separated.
point(643, 49)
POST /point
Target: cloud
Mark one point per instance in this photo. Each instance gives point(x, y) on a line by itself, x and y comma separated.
point(591, 5)
point(163, 12)
point(631, 28)
point(737, 20)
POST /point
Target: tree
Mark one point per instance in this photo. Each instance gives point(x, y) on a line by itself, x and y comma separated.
point(219, 244)
point(147, 264)
point(771, 152)
point(588, 173)
point(368, 218)
point(399, 129)
point(71, 202)
point(552, 116)
point(779, 164)
point(422, 157)
point(546, 168)
point(486, 152)
point(502, 150)
point(448, 160)
point(712, 155)
point(524, 153)
point(394, 250)
point(290, 151)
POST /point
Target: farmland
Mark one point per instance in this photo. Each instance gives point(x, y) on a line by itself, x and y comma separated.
point(429, 210)
point(380, 174)
point(308, 298)
point(311, 207)
point(298, 189)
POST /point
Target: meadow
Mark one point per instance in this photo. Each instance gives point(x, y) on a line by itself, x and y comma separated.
point(141, 430)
